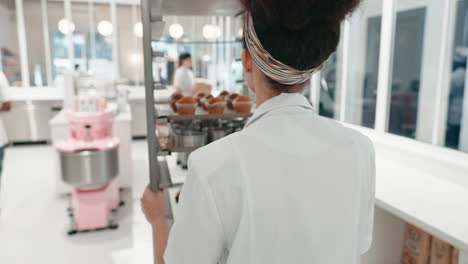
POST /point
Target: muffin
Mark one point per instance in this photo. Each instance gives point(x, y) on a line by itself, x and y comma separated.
point(242, 104)
point(173, 100)
point(199, 98)
point(205, 101)
point(230, 100)
point(216, 106)
point(186, 106)
point(224, 94)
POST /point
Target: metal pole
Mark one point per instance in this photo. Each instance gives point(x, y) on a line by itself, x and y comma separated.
point(48, 57)
point(153, 145)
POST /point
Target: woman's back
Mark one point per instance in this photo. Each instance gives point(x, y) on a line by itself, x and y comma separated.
point(289, 188)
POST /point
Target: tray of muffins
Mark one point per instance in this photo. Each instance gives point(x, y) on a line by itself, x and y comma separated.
point(205, 107)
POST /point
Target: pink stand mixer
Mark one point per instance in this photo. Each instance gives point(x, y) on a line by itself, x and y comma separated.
point(89, 163)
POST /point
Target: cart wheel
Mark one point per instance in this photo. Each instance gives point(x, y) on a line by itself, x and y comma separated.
point(122, 203)
point(185, 167)
point(72, 232)
point(113, 226)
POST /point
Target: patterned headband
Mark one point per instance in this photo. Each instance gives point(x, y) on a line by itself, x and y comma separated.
point(271, 67)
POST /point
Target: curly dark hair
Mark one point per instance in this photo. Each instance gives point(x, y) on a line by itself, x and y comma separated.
point(299, 33)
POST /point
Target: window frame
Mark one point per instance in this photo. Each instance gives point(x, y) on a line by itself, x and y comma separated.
point(436, 133)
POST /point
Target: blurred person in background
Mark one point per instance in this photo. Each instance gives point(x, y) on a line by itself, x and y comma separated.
point(183, 77)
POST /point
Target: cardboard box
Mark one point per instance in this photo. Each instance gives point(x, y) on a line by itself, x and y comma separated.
point(440, 252)
point(455, 256)
point(416, 246)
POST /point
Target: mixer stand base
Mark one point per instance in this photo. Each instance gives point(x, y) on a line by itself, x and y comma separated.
point(112, 225)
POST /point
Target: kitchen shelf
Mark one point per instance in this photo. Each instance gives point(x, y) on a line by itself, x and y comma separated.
point(226, 116)
point(167, 152)
point(166, 114)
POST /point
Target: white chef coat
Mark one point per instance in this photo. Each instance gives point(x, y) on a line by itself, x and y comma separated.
point(183, 79)
point(3, 86)
point(292, 187)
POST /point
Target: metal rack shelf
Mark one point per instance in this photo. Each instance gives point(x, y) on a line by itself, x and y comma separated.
point(176, 150)
point(152, 19)
point(165, 115)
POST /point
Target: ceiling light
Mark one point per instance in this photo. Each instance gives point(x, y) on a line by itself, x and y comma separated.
point(105, 28)
point(240, 33)
point(206, 58)
point(176, 31)
point(135, 58)
point(66, 26)
point(211, 32)
point(138, 29)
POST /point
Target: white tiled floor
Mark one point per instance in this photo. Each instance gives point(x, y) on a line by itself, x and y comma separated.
point(34, 222)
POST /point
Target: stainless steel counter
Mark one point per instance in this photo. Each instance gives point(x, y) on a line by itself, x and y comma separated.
point(28, 121)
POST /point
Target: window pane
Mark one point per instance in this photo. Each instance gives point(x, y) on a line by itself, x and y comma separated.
point(81, 19)
point(101, 59)
point(329, 88)
point(58, 41)
point(217, 60)
point(405, 86)
point(35, 43)
point(9, 47)
point(363, 67)
point(457, 119)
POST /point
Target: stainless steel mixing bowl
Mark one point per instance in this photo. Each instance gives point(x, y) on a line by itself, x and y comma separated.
point(217, 133)
point(190, 139)
point(89, 169)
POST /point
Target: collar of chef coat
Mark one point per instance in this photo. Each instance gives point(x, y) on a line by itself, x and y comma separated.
point(278, 102)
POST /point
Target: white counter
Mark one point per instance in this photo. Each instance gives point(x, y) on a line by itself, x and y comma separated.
point(34, 94)
point(57, 93)
point(437, 206)
point(424, 185)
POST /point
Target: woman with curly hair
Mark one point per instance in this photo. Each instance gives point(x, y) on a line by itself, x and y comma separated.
point(291, 187)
